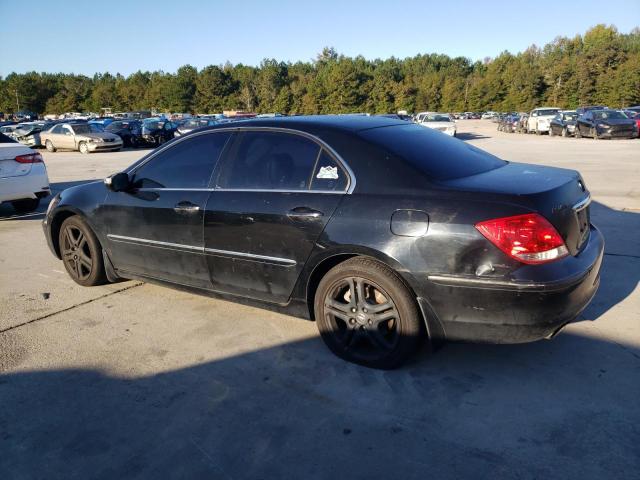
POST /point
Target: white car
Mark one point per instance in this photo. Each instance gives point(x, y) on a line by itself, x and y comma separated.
point(540, 119)
point(488, 115)
point(23, 176)
point(441, 122)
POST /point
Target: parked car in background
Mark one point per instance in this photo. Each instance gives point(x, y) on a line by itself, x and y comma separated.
point(509, 123)
point(104, 121)
point(488, 115)
point(193, 123)
point(605, 124)
point(564, 123)
point(156, 131)
point(8, 129)
point(266, 210)
point(521, 127)
point(23, 176)
point(540, 118)
point(632, 114)
point(439, 121)
point(29, 133)
point(83, 137)
point(129, 130)
point(418, 117)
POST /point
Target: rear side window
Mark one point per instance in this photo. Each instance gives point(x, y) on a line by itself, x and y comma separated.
point(328, 175)
point(437, 155)
point(187, 164)
point(5, 139)
point(269, 161)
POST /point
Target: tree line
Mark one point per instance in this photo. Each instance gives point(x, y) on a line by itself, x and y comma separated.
point(600, 67)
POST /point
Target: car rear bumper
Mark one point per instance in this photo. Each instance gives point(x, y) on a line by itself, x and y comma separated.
point(35, 184)
point(495, 311)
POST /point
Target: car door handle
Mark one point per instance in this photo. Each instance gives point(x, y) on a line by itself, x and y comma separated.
point(186, 207)
point(304, 213)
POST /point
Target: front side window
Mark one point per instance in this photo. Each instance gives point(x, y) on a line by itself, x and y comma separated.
point(187, 164)
point(270, 161)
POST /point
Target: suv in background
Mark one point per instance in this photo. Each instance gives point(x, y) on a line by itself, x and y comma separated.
point(540, 118)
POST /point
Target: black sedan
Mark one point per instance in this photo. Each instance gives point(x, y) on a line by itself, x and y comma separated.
point(129, 130)
point(386, 233)
point(156, 131)
point(564, 123)
point(605, 124)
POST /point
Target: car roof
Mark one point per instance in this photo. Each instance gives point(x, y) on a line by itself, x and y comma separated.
point(345, 123)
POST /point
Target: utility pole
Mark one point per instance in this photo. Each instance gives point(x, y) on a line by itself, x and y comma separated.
point(17, 101)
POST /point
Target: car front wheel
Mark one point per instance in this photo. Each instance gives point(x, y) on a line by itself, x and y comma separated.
point(81, 253)
point(83, 147)
point(366, 315)
point(49, 146)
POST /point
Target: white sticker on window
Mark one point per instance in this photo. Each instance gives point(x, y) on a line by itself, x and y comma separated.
point(328, 172)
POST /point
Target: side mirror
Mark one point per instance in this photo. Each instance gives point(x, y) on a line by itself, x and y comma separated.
point(118, 182)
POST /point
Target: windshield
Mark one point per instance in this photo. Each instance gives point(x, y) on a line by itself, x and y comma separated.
point(201, 122)
point(85, 128)
point(438, 156)
point(551, 111)
point(437, 117)
point(154, 124)
point(608, 115)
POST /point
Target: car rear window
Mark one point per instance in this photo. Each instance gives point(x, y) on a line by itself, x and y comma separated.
point(437, 155)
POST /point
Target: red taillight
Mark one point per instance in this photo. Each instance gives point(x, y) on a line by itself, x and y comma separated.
point(29, 158)
point(528, 238)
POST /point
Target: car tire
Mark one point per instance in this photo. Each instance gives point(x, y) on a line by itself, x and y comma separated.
point(594, 134)
point(565, 132)
point(81, 253)
point(578, 133)
point(26, 205)
point(551, 134)
point(83, 147)
point(49, 146)
point(383, 329)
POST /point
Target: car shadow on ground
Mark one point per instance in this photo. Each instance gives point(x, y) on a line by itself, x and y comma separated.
point(565, 408)
point(7, 211)
point(470, 136)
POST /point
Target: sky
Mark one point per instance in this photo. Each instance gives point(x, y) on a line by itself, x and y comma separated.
point(125, 36)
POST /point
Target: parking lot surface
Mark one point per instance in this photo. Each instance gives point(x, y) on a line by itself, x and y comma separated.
point(134, 380)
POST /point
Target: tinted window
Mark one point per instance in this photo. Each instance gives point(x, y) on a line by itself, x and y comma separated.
point(328, 175)
point(187, 164)
point(57, 129)
point(5, 139)
point(439, 156)
point(270, 160)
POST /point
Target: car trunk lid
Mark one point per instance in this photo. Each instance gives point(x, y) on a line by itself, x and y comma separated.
point(558, 194)
point(8, 165)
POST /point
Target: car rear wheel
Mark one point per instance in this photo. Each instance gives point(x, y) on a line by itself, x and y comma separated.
point(26, 205)
point(83, 147)
point(366, 315)
point(49, 146)
point(81, 253)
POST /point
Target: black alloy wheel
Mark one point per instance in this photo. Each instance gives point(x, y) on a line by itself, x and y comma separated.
point(81, 253)
point(366, 315)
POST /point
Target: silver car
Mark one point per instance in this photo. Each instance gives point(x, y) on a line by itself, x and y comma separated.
point(79, 136)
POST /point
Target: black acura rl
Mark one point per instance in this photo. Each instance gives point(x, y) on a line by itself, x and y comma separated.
point(388, 233)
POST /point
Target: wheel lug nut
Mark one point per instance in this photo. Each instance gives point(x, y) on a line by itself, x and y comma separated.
point(353, 310)
point(364, 310)
point(352, 320)
point(370, 322)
